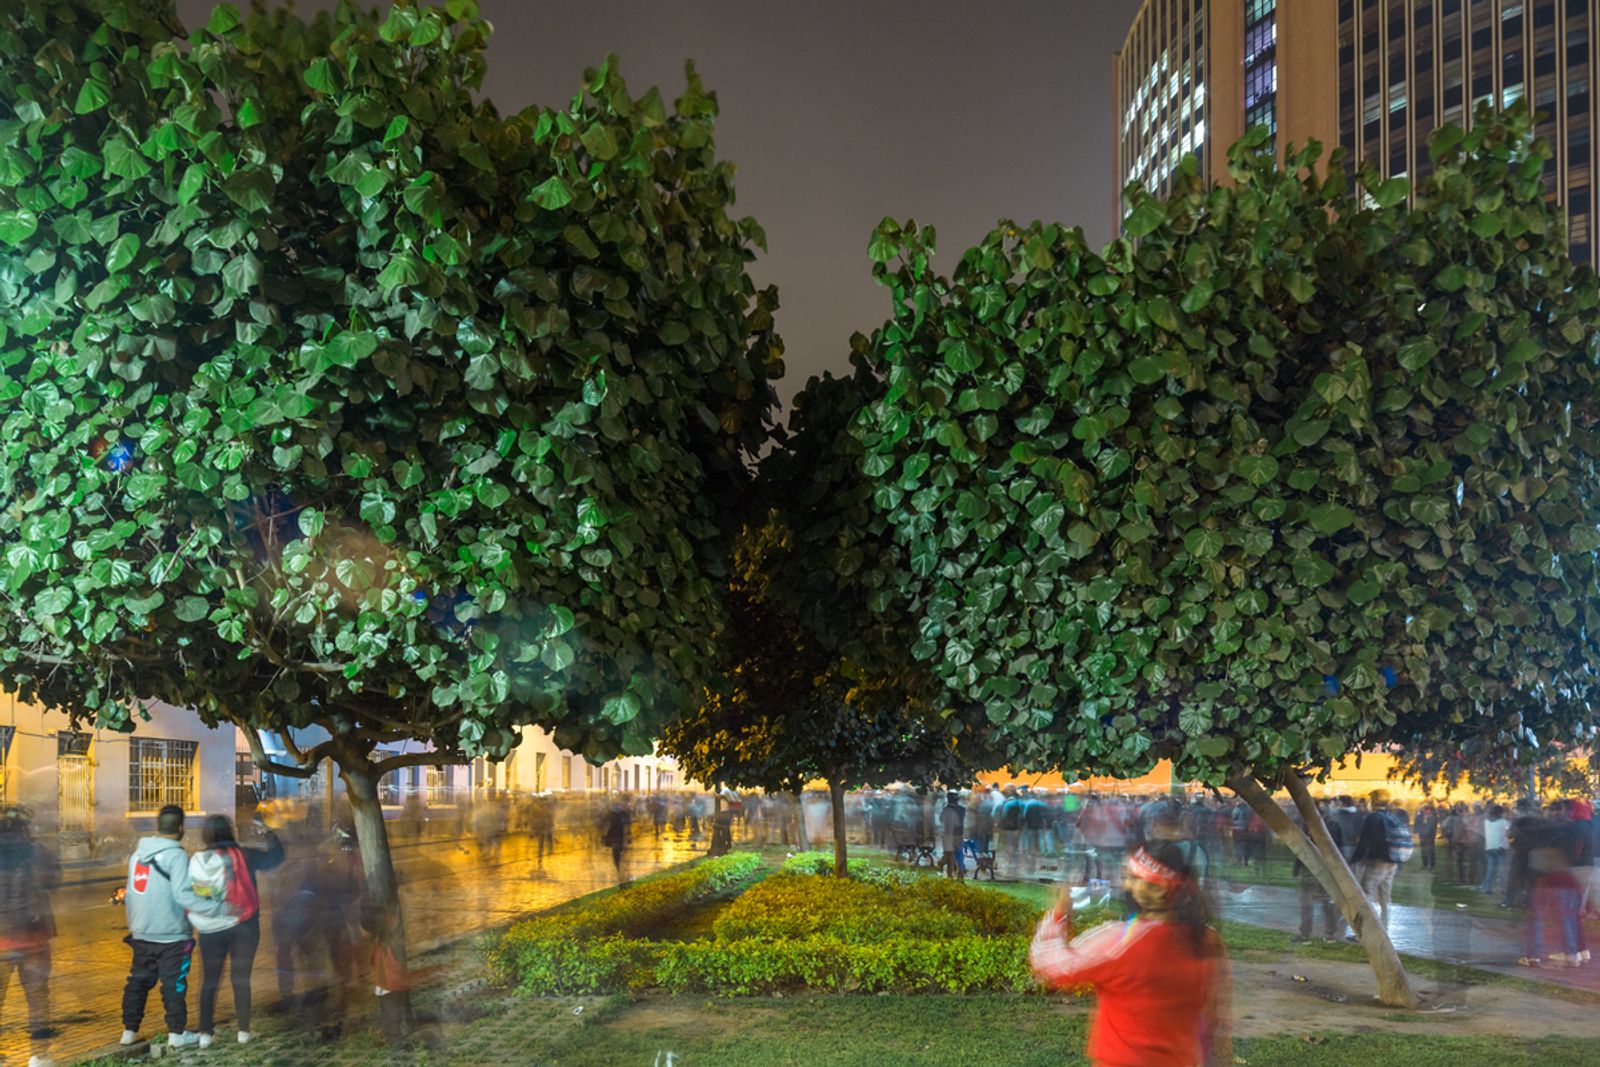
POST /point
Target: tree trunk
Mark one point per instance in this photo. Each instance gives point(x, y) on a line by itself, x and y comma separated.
point(383, 917)
point(1327, 865)
point(841, 868)
point(802, 836)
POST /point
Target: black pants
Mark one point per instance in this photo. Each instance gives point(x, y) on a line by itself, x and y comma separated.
point(239, 942)
point(166, 962)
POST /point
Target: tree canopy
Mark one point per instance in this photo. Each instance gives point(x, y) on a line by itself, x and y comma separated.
point(815, 682)
point(332, 395)
point(1290, 469)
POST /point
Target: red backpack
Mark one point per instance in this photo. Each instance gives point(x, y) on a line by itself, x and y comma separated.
point(241, 892)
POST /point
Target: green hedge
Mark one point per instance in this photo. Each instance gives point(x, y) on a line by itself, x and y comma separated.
point(789, 932)
point(860, 869)
point(578, 949)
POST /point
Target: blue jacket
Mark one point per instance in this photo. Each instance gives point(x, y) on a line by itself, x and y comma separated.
point(159, 892)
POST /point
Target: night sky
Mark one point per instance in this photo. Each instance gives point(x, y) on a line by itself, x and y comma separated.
point(839, 112)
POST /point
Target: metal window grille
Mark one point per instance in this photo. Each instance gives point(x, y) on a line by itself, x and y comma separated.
point(441, 787)
point(538, 772)
point(160, 772)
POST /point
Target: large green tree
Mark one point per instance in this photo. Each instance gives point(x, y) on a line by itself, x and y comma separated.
point(1288, 470)
point(333, 397)
point(817, 680)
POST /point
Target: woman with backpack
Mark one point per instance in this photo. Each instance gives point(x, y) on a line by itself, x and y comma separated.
point(227, 870)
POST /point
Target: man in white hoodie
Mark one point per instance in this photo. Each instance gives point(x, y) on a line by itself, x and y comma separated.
point(159, 892)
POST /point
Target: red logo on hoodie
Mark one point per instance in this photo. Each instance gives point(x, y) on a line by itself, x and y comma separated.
point(141, 877)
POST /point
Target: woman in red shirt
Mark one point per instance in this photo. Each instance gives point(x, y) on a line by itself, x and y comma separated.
point(1161, 977)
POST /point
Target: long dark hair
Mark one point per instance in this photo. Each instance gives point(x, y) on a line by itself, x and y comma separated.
point(217, 831)
point(1187, 902)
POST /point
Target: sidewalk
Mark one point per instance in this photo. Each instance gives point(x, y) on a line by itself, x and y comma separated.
point(1489, 944)
point(448, 893)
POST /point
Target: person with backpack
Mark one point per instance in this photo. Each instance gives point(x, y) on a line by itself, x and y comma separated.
point(227, 870)
point(159, 892)
point(28, 872)
point(1384, 843)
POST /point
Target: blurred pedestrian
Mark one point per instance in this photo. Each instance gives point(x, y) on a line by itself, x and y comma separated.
point(489, 828)
point(159, 893)
point(1496, 837)
point(28, 874)
point(1161, 977)
point(952, 821)
point(614, 835)
point(1553, 902)
point(1379, 852)
point(227, 870)
point(1312, 892)
point(1426, 826)
point(317, 920)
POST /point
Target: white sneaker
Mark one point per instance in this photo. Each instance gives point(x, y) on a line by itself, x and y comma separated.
point(183, 1040)
point(244, 1037)
point(1584, 955)
point(129, 1036)
point(41, 1061)
point(205, 1040)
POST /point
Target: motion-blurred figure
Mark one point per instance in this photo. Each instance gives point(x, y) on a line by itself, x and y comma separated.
point(489, 823)
point(1161, 977)
point(951, 822)
point(614, 833)
point(315, 923)
point(28, 873)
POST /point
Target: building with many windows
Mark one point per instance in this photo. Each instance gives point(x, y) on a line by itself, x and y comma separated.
point(1374, 76)
point(96, 790)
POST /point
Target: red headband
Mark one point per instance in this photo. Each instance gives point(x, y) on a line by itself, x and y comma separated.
point(1147, 868)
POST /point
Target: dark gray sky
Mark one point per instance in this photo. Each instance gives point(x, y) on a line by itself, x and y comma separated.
point(839, 112)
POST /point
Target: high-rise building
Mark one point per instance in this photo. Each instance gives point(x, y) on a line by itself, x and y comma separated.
point(1375, 76)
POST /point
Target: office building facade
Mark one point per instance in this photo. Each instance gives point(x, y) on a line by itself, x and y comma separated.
point(1375, 76)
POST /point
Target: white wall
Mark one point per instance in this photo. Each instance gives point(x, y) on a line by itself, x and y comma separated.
point(31, 766)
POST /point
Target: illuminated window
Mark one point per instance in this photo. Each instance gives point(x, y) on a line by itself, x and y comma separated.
point(160, 772)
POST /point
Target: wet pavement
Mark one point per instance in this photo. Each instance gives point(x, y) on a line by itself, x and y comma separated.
point(449, 890)
point(1491, 944)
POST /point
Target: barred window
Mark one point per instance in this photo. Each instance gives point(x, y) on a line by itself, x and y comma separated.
point(441, 787)
point(160, 772)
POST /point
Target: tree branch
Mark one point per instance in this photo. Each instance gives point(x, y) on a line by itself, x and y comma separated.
point(436, 758)
point(307, 760)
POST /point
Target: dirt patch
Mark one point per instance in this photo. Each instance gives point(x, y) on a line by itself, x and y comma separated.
point(1308, 996)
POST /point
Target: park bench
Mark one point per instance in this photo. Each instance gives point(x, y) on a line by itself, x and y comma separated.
point(984, 861)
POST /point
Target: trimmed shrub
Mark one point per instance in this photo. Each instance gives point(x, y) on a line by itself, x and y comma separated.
point(532, 953)
point(990, 911)
point(821, 863)
point(796, 906)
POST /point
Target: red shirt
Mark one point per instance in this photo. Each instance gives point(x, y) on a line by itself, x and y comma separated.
point(1156, 996)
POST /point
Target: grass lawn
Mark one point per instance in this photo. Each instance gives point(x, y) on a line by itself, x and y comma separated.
point(842, 1031)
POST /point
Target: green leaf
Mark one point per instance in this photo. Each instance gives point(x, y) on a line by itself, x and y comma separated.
point(1198, 297)
point(1417, 353)
point(242, 273)
point(1145, 218)
point(1451, 278)
point(402, 269)
point(122, 252)
point(224, 17)
point(17, 225)
point(1257, 470)
point(93, 95)
point(1147, 370)
point(1331, 518)
point(194, 177)
point(552, 194)
point(1202, 542)
point(1312, 570)
point(248, 115)
point(311, 521)
point(1391, 192)
point(191, 609)
point(319, 76)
